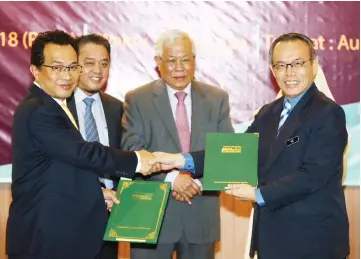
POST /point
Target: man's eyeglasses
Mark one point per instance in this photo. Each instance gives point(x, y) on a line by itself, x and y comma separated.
point(294, 64)
point(171, 62)
point(60, 68)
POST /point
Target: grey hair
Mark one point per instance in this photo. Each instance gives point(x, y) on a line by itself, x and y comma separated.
point(292, 37)
point(169, 37)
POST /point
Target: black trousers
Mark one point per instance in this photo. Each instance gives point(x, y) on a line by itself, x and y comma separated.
point(109, 251)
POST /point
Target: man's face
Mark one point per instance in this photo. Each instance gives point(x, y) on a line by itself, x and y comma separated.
point(293, 80)
point(177, 64)
point(95, 61)
point(54, 81)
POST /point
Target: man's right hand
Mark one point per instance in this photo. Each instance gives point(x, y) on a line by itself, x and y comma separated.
point(169, 161)
point(148, 162)
point(185, 186)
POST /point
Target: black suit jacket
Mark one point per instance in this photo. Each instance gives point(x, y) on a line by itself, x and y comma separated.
point(300, 178)
point(113, 111)
point(58, 209)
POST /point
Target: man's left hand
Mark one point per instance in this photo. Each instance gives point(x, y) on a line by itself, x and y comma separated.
point(110, 198)
point(242, 191)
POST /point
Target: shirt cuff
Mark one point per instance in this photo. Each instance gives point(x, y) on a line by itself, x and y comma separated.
point(199, 184)
point(188, 164)
point(259, 198)
point(139, 165)
point(171, 176)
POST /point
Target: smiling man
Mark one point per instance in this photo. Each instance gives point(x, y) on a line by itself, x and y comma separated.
point(174, 114)
point(300, 207)
point(301, 210)
point(97, 113)
point(58, 208)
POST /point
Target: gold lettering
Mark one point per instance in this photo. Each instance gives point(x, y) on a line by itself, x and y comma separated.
point(13, 39)
point(318, 43)
point(343, 43)
point(3, 38)
point(321, 41)
point(355, 44)
point(142, 196)
point(231, 149)
point(31, 36)
point(315, 44)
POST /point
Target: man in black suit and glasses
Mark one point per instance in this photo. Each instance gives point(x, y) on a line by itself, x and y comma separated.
point(58, 209)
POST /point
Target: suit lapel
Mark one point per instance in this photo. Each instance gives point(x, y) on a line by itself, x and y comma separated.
point(38, 92)
point(72, 107)
point(293, 122)
point(162, 106)
point(269, 130)
point(110, 119)
point(198, 113)
point(35, 90)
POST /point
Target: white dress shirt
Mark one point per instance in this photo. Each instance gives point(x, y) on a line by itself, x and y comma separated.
point(100, 121)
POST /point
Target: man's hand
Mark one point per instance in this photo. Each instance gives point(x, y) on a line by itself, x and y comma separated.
point(177, 196)
point(110, 198)
point(169, 161)
point(242, 191)
point(149, 163)
point(186, 187)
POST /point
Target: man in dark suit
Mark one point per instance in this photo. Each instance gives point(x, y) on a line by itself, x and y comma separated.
point(94, 57)
point(174, 114)
point(300, 207)
point(58, 209)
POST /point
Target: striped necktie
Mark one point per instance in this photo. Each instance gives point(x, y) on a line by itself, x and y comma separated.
point(285, 112)
point(91, 131)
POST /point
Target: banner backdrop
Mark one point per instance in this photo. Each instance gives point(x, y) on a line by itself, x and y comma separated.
point(232, 41)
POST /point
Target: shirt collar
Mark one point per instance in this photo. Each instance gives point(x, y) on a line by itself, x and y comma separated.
point(295, 100)
point(172, 91)
point(80, 95)
point(60, 102)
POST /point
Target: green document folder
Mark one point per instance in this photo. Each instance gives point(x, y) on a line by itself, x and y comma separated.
point(139, 215)
point(230, 158)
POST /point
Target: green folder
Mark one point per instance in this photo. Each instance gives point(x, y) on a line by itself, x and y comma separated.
point(230, 158)
point(139, 215)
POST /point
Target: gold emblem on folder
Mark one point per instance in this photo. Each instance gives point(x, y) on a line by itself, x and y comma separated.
point(231, 149)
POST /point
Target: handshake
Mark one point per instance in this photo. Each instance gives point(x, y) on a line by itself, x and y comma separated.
point(184, 187)
point(157, 161)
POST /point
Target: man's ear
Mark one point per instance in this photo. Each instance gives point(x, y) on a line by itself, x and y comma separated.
point(314, 66)
point(272, 69)
point(157, 61)
point(35, 71)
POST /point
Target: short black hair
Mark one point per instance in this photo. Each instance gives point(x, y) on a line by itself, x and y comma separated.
point(57, 37)
point(292, 36)
point(93, 38)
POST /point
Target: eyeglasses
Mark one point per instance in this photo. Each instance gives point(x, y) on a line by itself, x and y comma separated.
point(171, 62)
point(60, 68)
point(295, 64)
